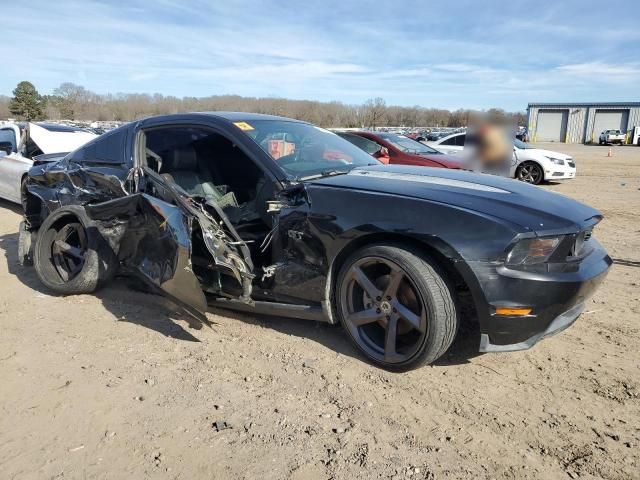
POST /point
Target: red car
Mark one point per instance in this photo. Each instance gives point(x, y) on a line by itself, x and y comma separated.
point(398, 149)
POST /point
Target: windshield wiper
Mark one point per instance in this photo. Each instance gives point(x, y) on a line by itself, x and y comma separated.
point(324, 173)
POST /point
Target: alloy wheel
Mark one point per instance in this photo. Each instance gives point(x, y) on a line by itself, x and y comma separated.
point(383, 310)
point(69, 250)
point(530, 173)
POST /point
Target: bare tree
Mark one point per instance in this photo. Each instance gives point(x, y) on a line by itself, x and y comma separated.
point(74, 102)
point(375, 110)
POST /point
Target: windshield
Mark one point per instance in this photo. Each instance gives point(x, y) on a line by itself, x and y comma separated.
point(303, 150)
point(363, 143)
point(407, 145)
point(521, 145)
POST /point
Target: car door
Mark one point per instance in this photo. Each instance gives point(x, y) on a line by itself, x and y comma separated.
point(393, 155)
point(179, 225)
point(453, 144)
point(12, 164)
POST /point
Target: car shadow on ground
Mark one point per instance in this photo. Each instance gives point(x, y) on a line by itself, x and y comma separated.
point(129, 301)
point(122, 298)
point(463, 349)
point(606, 145)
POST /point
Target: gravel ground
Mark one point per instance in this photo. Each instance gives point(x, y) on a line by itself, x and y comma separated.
point(118, 385)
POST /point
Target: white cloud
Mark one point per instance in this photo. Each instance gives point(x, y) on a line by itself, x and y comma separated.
point(445, 56)
point(602, 71)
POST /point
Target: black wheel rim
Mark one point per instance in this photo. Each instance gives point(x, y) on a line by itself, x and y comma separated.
point(68, 251)
point(529, 174)
point(383, 310)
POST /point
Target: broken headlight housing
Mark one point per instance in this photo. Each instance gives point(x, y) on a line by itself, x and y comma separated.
point(531, 251)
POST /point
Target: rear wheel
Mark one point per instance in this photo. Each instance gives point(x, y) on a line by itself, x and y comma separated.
point(70, 255)
point(395, 306)
point(530, 172)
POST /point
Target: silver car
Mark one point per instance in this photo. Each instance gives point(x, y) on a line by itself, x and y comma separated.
point(21, 142)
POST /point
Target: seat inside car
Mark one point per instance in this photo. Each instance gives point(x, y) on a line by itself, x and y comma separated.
point(181, 165)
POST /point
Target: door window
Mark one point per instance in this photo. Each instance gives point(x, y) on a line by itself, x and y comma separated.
point(365, 144)
point(451, 141)
point(7, 135)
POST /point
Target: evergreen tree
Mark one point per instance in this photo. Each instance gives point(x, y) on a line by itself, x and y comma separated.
point(27, 103)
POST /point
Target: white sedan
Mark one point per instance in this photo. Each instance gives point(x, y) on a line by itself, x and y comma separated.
point(529, 164)
point(20, 142)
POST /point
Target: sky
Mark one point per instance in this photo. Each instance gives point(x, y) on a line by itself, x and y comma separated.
point(440, 54)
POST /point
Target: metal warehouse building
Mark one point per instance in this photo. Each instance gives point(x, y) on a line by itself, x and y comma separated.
point(580, 122)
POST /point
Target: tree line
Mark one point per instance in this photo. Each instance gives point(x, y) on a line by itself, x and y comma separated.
point(74, 102)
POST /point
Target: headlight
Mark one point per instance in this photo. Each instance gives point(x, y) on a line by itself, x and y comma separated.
point(557, 161)
point(532, 250)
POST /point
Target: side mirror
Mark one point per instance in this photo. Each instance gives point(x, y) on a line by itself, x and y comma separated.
point(6, 147)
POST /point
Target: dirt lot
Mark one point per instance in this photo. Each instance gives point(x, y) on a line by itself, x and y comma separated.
point(117, 385)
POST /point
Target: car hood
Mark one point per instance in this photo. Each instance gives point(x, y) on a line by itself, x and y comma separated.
point(528, 206)
point(447, 161)
point(546, 153)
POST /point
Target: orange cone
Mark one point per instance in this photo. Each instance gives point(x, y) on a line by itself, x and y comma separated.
point(609, 154)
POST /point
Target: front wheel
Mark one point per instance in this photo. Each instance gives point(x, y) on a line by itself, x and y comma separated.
point(530, 172)
point(395, 307)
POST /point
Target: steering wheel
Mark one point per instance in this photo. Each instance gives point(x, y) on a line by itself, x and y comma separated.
point(289, 159)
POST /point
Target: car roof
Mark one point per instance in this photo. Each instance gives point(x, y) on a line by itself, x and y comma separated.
point(449, 136)
point(364, 133)
point(247, 116)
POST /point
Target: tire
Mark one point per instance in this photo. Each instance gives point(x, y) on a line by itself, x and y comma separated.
point(530, 172)
point(70, 256)
point(418, 314)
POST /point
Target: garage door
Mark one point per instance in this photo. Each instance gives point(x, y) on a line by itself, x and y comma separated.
point(608, 120)
point(552, 126)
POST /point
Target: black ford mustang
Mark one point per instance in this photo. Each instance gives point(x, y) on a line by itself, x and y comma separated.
point(274, 215)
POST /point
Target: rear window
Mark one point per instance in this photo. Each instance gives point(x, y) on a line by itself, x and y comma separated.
point(108, 148)
point(365, 144)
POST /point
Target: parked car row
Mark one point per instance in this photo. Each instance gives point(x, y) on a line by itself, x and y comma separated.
point(272, 215)
point(529, 164)
point(400, 150)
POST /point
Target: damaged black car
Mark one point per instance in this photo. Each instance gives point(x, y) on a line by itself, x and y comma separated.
point(277, 216)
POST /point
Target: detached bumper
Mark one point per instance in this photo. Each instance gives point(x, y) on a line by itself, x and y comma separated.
point(556, 299)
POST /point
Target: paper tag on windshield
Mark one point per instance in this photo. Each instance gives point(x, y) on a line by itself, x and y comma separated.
point(243, 126)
